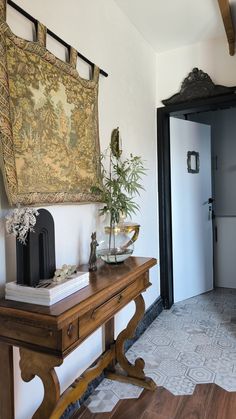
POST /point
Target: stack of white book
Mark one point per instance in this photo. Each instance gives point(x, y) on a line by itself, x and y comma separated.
point(47, 292)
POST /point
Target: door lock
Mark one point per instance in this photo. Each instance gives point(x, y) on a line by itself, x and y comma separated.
point(210, 210)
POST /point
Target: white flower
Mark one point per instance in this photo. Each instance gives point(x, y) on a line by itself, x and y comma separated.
point(20, 221)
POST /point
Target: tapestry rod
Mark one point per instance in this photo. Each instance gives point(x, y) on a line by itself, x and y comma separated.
point(52, 34)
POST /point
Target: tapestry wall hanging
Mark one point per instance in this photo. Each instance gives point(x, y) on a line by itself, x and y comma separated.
point(48, 122)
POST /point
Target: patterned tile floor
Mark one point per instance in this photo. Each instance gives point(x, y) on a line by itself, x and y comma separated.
point(193, 343)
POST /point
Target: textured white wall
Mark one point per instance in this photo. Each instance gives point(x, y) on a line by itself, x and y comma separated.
point(211, 57)
point(127, 99)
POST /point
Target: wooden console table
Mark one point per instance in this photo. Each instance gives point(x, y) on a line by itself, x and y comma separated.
point(46, 335)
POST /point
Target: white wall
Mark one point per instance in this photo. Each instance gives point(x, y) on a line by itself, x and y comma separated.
point(212, 57)
point(127, 99)
point(225, 251)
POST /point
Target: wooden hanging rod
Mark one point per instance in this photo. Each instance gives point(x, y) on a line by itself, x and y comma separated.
point(52, 34)
point(228, 24)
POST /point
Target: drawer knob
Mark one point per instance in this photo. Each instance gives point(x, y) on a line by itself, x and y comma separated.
point(120, 298)
point(70, 330)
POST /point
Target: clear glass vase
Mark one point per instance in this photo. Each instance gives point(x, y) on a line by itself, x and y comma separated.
point(116, 242)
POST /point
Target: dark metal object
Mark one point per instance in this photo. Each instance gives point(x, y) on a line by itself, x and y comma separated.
point(93, 256)
point(36, 259)
point(202, 104)
point(216, 234)
point(52, 34)
point(198, 85)
point(193, 168)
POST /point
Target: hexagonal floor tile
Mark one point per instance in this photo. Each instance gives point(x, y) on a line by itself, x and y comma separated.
point(191, 359)
point(208, 323)
point(102, 401)
point(209, 351)
point(193, 328)
point(193, 343)
point(156, 331)
point(200, 339)
point(226, 381)
point(143, 348)
point(166, 352)
point(152, 362)
point(225, 343)
point(179, 385)
point(184, 346)
point(179, 335)
point(106, 384)
point(126, 391)
point(157, 377)
point(161, 340)
point(200, 375)
point(229, 356)
point(219, 365)
point(172, 368)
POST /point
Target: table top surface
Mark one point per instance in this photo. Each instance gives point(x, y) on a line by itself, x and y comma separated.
point(108, 278)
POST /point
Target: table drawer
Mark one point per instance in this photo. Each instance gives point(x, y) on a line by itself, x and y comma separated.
point(25, 333)
point(100, 314)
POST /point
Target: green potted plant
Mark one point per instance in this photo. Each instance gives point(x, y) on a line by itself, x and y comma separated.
point(120, 183)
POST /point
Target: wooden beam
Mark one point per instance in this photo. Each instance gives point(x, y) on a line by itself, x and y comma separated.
point(228, 24)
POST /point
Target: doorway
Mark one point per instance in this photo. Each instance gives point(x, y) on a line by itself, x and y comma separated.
point(191, 188)
point(164, 172)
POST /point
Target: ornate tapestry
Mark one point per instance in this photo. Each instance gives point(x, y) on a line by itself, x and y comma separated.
point(48, 123)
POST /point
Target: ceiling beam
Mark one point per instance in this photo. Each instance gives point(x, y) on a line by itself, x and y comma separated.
point(228, 24)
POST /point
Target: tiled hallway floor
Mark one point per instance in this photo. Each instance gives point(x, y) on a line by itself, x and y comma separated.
point(193, 343)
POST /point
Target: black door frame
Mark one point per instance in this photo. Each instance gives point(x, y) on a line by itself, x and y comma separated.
point(164, 180)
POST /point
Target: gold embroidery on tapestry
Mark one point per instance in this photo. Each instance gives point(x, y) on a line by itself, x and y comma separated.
point(48, 123)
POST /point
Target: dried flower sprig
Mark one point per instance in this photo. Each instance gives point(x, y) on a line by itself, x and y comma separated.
point(64, 273)
point(20, 222)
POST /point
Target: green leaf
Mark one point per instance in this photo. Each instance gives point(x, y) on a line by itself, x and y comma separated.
point(120, 183)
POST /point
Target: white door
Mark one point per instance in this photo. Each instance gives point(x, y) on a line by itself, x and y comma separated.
point(191, 221)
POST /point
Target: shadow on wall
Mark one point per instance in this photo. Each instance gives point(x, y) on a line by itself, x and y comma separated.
point(4, 207)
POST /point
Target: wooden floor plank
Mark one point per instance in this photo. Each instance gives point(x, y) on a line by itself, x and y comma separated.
point(164, 403)
point(207, 402)
point(78, 414)
point(194, 406)
point(149, 414)
point(133, 408)
point(222, 406)
point(86, 414)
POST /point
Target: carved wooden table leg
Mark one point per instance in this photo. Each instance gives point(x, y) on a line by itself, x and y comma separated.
point(134, 373)
point(6, 382)
point(42, 365)
point(109, 341)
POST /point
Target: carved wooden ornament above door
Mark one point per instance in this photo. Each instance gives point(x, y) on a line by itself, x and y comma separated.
point(198, 85)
